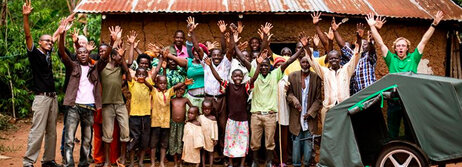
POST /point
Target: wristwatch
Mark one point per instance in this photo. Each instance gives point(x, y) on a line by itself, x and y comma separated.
point(434, 25)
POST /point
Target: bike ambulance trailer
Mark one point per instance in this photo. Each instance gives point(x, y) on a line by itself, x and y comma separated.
point(355, 131)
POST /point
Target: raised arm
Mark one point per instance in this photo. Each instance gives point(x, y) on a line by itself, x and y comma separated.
point(214, 72)
point(337, 35)
point(316, 18)
point(266, 37)
point(330, 37)
point(61, 48)
point(161, 60)
point(263, 55)
point(429, 33)
point(191, 26)
point(222, 26)
point(131, 41)
point(241, 57)
point(375, 34)
point(180, 61)
point(351, 65)
point(26, 10)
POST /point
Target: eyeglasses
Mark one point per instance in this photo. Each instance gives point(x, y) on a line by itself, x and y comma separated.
point(46, 40)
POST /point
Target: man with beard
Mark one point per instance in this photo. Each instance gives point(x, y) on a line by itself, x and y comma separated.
point(304, 98)
point(336, 78)
point(401, 61)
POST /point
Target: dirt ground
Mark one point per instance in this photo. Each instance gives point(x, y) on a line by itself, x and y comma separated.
point(13, 144)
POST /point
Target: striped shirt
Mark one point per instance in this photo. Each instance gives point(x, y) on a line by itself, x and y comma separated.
point(365, 70)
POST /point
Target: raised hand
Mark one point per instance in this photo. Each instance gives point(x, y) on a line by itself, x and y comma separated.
point(360, 29)
point(316, 40)
point(240, 27)
point(208, 61)
point(188, 81)
point(260, 33)
point(233, 28)
point(120, 51)
point(27, 7)
point(236, 36)
point(438, 17)
point(304, 39)
point(116, 32)
point(243, 45)
point(132, 37)
point(330, 34)
point(135, 44)
point(222, 26)
point(227, 37)
point(267, 28)
point(75, 35)
point(154, 48)
point(191, 24)
point(379, 21)
point(70, 18)
point(91, 46)
point(370, 19)
point(369, 36)
point(263, 55)
point(211, 45)
point(334, 25)
point(62, 27)
point(316, 17)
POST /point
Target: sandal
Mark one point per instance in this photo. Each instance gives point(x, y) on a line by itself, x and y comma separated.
point(119, 164)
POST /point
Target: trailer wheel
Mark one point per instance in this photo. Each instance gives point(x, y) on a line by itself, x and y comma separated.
point(401, 156)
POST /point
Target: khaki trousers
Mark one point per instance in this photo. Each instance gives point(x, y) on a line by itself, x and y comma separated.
point(43, 125)
point(111, 112)
point(258, 123)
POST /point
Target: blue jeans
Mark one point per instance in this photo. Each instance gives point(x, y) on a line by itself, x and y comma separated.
point(75, 115)
point(298, 145)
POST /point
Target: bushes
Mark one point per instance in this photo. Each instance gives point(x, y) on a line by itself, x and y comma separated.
point(15, 72)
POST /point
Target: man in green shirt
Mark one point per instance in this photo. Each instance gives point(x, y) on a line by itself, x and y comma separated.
point(400, 61)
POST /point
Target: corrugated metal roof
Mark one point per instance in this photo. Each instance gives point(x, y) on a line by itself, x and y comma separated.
point(423, 9)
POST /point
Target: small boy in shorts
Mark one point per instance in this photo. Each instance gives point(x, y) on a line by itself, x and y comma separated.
point(178, 105)
point(140, 115)
point(160, 114)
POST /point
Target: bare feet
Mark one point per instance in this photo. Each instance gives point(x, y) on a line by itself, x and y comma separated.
point(153, 165)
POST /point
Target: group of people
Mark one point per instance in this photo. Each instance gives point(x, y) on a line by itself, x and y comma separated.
point(195, 100)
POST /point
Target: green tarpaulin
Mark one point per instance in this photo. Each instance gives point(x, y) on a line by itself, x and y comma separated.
point(432, 103)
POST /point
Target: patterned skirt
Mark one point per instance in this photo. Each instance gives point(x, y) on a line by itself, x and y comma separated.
point(236, 139)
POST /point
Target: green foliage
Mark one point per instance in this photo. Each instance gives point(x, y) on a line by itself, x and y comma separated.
point(44, 19)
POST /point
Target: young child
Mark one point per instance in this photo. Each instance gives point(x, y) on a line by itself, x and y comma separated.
point(178, 105)
point(209, 129)
point(193, 138)
point(237, 127)
point(140, 115)
point(160, 114)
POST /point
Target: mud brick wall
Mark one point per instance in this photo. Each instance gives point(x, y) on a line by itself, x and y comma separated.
point(159, 28)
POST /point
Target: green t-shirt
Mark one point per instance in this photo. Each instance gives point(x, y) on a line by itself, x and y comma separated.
point(265, 91)
point(111, 81)
point(195, 72)
point(410, 63)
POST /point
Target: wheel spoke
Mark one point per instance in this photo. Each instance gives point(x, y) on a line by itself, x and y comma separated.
point(408, 161)
point(395, 163)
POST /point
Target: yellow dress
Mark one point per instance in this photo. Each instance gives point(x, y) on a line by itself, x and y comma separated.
point(193, 141)
point(210, 131)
